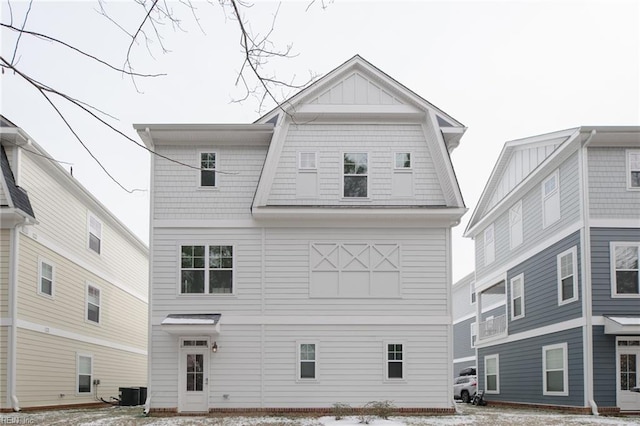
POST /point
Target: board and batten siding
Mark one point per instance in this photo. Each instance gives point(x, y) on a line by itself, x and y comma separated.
point(5, 244)
point(177, 194)
point(47, 370)
point(604, 368)
point(380, 141)
point(123, 317)
point(609, 197)
point(533, 232)
point(521, 370)
point(601, 278)
point(62, 225)
point(540, 273)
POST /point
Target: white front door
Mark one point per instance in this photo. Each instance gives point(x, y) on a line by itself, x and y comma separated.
point(628, 367)
point(193, 391)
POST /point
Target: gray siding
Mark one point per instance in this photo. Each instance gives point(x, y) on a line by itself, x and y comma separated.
point(604, 368)
point(461, 298)
point(462, 339)
point(541, 288)
point(603, 303)
point(608, 194)
point(520, 369)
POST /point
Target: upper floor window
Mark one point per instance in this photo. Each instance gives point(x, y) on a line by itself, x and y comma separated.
point(307, 358)
point(93, 303)
point(492, 373)
point(84, 368)
point(625, 276)
point(45, 278)
point(517, 297)
point(206, 264)
point(307, 161)
point(472, 291)
point(402, 160)
point(395, 361)
point(489, 245)
point(555, 370)
point(208, 169)
point(633, 169)
point(356, 172)
point(515, 225)
point(550, 200)
point(474, 334)
point(567, 276)
point(95, 233)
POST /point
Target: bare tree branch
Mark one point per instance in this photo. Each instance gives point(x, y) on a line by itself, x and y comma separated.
point(26, 16)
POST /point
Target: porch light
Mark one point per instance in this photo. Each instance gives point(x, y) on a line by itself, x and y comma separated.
point(214, 348)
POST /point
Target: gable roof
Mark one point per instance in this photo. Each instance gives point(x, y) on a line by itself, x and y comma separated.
point(16, 196)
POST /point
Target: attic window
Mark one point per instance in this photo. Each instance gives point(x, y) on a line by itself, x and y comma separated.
point(633, 169)
point(208, 169)
point(356, 172)
point(95, 233)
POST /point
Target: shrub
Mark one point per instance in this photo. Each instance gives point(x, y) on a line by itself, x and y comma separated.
point(382, 409)
point(340, 410)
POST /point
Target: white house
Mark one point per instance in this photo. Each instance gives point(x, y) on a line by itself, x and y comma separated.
point(73, 287)
point(305, 259)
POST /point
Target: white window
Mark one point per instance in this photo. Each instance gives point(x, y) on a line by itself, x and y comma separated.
point(395, 361)
point(633, 169)
point(208, 169)
point(94, 236)
point(93, 303)
point(356, 172)
point(567, 276)
point(472, 291)
point(402, 160)
point(555, 370)
point(489, 245)
point(307, 161)
point(46, 275)
point(550, 200)
point(84, 373)
point(517, 297)
point(492, 373)
point(206, 269)
point(474, 334)
point(307, 361)
point(624, 269)
point(515, 225)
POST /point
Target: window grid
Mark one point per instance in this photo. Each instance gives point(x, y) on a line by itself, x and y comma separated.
point(95, 234)
point(625, 269)
point(93, 304)
point(208, 169)
point(355, 175)
point(206, 269)
point(307, 161)
point(46, 278)
point(402, 160)
point(395, 361)
point(307, 361)
point(567, 276)
point(633, 169)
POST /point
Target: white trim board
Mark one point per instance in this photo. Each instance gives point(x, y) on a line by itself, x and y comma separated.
point(529, 334)
point(437, 320)
point(466, 359)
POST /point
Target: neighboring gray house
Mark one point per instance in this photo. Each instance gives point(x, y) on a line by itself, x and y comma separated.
point(305, 260)
point(464, 323)
point(557, 234)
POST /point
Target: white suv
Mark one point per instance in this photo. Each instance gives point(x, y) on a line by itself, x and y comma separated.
point(465, 387)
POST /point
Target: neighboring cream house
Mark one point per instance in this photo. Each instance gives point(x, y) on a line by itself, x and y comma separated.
point(73, 287)
point(305, 259)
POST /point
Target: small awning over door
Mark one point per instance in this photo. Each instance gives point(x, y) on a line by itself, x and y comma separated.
point(192, 324)
point(622, 325)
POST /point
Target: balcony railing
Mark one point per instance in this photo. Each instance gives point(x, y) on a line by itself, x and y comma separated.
point(492, 327)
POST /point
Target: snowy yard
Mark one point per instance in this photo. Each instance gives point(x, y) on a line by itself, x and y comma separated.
point(467, 415)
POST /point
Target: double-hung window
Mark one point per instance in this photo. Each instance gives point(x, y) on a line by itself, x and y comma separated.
point(517, 297)
point(472, 291)
point(208, 169)
point(555, 370)
point(550, 199)
point(624, 263)
point(94, 236)
point(206, 269)
point(489, 245)
point(492, 373)
point(45, 278)
point(356, 174)
point(633, 169)
point(307, 358)
point(84, 369)
point(395, 361)
point(93, 303)
point(567, 276)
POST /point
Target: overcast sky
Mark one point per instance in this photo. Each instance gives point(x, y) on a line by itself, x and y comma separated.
point(506, 70)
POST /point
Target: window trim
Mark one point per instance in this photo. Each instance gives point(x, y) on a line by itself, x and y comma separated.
point(89, 233)
point(314, 168)
point(628, 169)
point(555, 175)
point(565, 367)
point(78, 356)
point(497, 358)
point(385, 354)
point(612, 266)
point(299, 344)
point(513, 316)
point(517, 205)
point(200, 170)
point(491, 228)
point(573, 251)
point(86, 304)
point(395, 164)
point(474, 332)
point(41, 261)
point(343, 175)
point(473, 297)
point(206, 269)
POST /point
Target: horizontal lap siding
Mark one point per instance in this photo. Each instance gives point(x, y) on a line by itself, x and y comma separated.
point(521, 370)
point(123, 318)
point(461, 294)
point(176, 188)
point(379, 140)
point(41, 379)
point(533, 232)
point(609, 197)
point(163, 360)
point(5, 238)
point(603, 303)
point(4, 345)
point(604, 368)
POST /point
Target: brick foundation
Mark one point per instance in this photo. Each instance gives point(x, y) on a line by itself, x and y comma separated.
point(311, 412)
point(607, 411)
point(57, 407)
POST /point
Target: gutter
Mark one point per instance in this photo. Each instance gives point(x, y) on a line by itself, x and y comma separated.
point(13, 308)
point(586, 277)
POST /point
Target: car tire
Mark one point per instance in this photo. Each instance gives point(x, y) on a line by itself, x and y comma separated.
point(465, 397)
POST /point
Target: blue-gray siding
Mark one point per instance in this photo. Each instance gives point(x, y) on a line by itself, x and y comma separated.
point(604, 368)
point(541, 288)
point(462, 339)
point(520, 369)
point(603, 303)
point(608, 193)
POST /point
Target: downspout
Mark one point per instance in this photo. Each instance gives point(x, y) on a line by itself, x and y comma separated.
point(13, 308)
point(586, 277)
point(147, 403)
